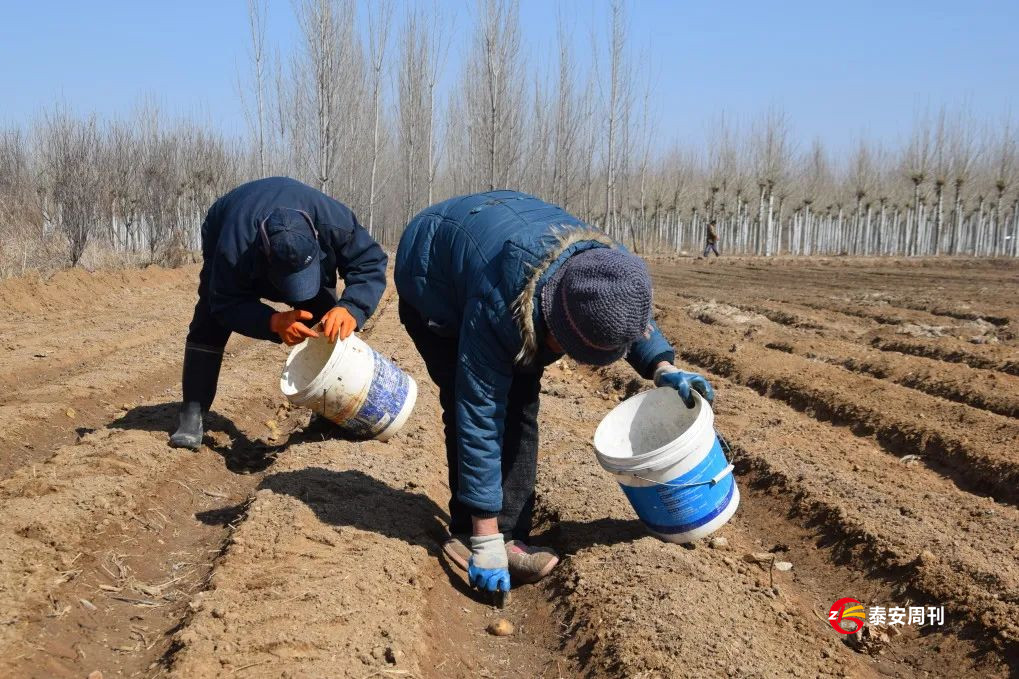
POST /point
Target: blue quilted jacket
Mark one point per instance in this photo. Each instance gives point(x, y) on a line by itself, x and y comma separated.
point(474, 267)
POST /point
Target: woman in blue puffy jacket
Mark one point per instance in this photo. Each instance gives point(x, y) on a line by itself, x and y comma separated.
point(494, 287)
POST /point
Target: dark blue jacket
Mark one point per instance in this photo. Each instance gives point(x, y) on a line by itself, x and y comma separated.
point(235, 264)
point(474, 268)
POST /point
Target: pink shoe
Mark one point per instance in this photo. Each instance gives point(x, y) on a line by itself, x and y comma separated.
point(457, 551)
point(526, 564)
point(529, 564)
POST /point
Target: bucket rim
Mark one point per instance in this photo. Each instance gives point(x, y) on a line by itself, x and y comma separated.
point(664, 456)
point(335, 355)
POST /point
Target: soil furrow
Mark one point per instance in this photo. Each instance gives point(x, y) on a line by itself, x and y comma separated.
point(829, 292)
point(939, 309)
point(120, 520)
point(64, 379)
point(981, 460)
point(107, 537)
point(336, 569)
point(979, 390)
point(60, 351)
point(633, 605)
point(948, 350)
point(870, 526)
point(984, 389)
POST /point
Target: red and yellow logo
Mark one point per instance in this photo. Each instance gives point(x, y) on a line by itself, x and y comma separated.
point(849, 610)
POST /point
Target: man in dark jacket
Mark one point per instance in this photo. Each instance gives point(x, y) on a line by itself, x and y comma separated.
point(281, 240)
point(494, 287)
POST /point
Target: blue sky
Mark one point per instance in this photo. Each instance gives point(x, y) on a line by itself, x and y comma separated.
point(838, 69)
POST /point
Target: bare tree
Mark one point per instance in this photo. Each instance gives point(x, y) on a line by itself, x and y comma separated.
point(70, 151)
point(645, 138)
point(567, 125)
point(422, 56)
point(257, 10)
point(963, 153)
point(75, 187)
point(862, 177)
point(772, 154)
point(380, 17)
point(617, 103)
point(411, 104)
point(494, 85)
point(325, 64)
point(1004, 175)
point(940, 169)
point(917, 166)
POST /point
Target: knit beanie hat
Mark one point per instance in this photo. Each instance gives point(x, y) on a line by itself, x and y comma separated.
point(597, 304)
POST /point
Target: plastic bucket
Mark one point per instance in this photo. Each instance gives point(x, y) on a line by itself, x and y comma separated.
point(669, 462)
point(351, 384)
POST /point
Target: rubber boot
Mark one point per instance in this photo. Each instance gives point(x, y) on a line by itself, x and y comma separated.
point(189, 432)
point(199, 379)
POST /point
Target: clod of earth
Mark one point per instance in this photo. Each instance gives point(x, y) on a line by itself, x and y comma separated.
point(274, 429)
point(501, 628)
point(868, 640)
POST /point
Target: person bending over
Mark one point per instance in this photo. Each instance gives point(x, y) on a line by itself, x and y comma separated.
point(281, 240)
point(494, 287)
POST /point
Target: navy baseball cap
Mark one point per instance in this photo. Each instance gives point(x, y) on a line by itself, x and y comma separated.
point(290, 242)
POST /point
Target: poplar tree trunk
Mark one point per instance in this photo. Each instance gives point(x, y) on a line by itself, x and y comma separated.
point(957, 219)
point(914, 231)
point(760, 223)
point(1015, 228)
point(999, 229)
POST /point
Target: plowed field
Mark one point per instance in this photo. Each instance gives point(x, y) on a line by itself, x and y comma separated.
point(871, 408)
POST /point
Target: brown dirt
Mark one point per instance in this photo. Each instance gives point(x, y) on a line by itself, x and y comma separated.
point(298, 554)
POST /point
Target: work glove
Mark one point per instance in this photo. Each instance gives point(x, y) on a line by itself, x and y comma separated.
point(488, 567)
point(683, 382)
point(338, 323)
point(287, 324)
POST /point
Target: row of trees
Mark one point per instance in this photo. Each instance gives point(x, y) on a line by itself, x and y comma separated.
point(371, 106)
point(73, 185)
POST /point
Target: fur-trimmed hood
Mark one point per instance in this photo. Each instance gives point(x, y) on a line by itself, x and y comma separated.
point(523, 305)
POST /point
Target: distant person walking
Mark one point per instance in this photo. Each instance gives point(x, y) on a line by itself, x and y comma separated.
point(711, 240)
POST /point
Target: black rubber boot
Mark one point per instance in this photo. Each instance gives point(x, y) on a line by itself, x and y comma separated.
point(199, 380)
point(189, 433)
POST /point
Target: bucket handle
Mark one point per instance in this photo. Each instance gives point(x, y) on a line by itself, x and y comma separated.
point(710, 482)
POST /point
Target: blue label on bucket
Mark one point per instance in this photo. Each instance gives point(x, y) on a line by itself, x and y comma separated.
point(386, 396)
point(670, 509)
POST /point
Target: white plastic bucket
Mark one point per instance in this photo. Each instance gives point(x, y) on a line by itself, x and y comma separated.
point(669, 463)
point(350, 384)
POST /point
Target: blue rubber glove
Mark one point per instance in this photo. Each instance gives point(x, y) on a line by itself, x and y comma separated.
point(488, 567)
point(683, 382)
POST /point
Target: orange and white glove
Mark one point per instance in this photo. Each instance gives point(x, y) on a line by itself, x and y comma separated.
point(287, 324)
point(338, 322)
